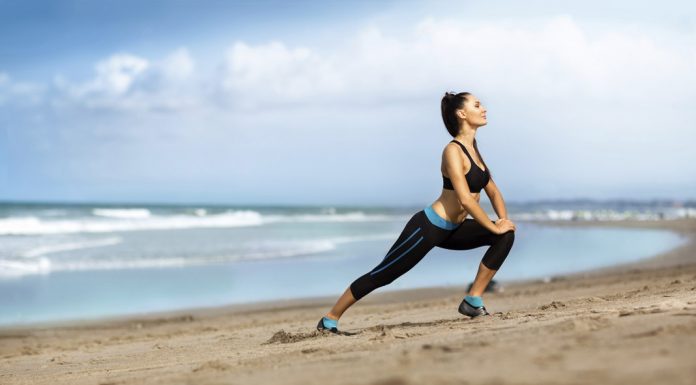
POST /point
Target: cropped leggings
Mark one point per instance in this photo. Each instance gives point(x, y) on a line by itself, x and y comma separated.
point(424, 231)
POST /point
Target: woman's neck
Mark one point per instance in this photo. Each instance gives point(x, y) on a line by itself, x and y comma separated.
point(466, 137)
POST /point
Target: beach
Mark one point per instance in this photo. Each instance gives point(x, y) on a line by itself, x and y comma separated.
point(634, 323)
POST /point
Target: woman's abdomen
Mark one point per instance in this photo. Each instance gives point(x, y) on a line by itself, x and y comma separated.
point(447, 205)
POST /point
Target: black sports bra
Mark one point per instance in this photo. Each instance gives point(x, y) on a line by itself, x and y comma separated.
point(476, 178)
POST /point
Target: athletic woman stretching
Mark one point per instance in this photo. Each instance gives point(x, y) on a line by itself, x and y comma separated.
point(444, 222)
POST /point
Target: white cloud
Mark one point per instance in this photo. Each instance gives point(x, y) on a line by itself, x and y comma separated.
point(178, 65)
point(127, 82)
point(112, 85)
point(114, 76)
point(257, 73)
point(565, 97)
point(20, 93)
point(559, 58)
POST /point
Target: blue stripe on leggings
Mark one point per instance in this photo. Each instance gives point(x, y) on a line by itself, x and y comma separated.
point(402, 243)
point(397, 258)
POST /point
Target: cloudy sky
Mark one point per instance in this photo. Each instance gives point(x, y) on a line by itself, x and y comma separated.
point(258, 102)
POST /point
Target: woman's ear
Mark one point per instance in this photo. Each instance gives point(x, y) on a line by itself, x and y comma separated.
point(461, 114)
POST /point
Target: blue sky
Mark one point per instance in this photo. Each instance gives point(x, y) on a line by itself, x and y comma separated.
point(337, 103)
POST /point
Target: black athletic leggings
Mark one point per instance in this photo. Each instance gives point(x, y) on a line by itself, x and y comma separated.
point(424, 231)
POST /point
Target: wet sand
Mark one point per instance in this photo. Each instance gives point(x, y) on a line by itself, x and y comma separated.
point(630, 324)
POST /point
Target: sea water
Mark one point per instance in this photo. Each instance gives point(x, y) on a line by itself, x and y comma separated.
point(69, 262)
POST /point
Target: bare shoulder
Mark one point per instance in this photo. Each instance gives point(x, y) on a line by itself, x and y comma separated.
point(452, 154)
point(450, 150)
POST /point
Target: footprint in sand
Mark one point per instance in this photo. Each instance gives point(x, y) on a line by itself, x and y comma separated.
point(552, 305)
point(662, 307)
point(283, 337)
point(383, 331)
point(508, 315)
point(649, 333)
point(29, 351)
point(386, 333)
point(591, 324)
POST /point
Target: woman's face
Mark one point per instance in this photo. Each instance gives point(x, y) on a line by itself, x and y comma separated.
point(473, 112)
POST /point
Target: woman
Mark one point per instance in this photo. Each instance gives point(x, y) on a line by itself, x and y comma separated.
point(443, 223)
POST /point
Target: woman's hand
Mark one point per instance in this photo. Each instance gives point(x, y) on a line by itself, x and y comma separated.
point(504, 225)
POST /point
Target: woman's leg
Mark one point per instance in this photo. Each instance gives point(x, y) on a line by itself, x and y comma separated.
point(470, 235)
point(344, 302)
point(483, 277)
point(417, 238)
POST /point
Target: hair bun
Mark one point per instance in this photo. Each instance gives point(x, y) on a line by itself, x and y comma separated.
point(449, 97)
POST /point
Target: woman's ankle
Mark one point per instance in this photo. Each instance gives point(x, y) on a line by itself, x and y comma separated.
point(331, 316)
point(474, 300)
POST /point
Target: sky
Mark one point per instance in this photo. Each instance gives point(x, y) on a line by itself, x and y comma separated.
point(331, 102)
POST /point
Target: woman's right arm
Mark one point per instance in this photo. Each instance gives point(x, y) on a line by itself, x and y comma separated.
point(455, 169)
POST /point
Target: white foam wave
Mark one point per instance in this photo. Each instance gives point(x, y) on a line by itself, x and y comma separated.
point(355, 216)
point(127, 220)
point(48, 249)
point(53, 213)
point(17, 268)
point(362, 238)
point(122, 213)
point(33, 262)
point(37, 226)
point(605, 215)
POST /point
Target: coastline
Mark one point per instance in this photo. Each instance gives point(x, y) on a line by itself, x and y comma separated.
point(249, 342)
point(680, 255)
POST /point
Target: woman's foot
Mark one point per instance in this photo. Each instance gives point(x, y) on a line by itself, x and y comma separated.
point(328, 324)
point(472, 306)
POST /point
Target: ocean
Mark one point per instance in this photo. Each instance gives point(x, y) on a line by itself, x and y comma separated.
point(62, 262)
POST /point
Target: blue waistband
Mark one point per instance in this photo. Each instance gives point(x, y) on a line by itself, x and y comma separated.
point(438, 220)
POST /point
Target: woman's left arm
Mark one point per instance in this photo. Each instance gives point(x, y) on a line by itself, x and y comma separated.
point(496, 199)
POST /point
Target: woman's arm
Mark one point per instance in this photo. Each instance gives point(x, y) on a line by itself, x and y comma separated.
point(454, 167)
point(496, 199)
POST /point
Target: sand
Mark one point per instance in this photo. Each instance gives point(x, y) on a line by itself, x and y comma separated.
point(633, 324)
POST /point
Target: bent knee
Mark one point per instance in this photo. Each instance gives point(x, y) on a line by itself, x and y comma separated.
point(507, 236)
point(506, 240)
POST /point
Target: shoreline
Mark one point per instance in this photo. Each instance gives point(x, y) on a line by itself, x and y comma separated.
point(634, 324)
point(677, 256)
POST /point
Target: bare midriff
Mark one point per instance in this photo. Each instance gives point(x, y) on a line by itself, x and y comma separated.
point(448, 207)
